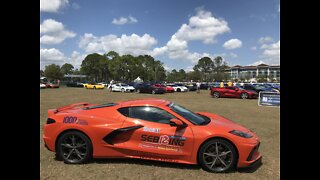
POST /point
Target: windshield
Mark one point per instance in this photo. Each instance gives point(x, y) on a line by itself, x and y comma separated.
point(124, 85)
point(189, 115)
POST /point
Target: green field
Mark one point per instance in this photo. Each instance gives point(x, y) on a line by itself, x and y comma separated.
point(264, 121)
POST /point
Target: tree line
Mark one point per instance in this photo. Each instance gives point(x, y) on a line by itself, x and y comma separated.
point(126, 68)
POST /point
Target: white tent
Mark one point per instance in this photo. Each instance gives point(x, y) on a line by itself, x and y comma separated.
point(138, 79)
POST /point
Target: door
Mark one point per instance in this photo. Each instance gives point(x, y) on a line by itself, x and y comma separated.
point(157, 139)
point(231, 92)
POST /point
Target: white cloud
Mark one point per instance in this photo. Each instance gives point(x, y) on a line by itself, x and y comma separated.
point(124, 20)
point(51, 56)
point(133, 44)
point(232, 44)
point(233, 55)
point(54, 32)
point(271, 53)
point(253, 48)
point(266, 39)
point(55, 56)
point(75, 6)
point(203, 26)
point(257, 63)
point(52, 5)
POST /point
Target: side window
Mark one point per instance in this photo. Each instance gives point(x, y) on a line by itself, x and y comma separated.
point(124, 111)
point(152, 114)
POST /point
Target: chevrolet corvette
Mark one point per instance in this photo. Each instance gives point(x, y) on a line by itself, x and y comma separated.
point(233, 92)
point(153, 129)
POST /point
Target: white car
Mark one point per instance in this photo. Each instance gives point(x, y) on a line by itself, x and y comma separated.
point(103, 83)
point(42, 86)
point(120, 87)
point(179, 87)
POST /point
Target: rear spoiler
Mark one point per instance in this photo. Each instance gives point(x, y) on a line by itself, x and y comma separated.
point(70, 106)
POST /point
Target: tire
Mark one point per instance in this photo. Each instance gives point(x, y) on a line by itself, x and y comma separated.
point(122, 90)
point(138, 90)
point(244, 95)
point(224, 162)
point(153, 91)
point(178, 90)
point(216, 95)
point(69, 152)
point(94, 87)
point(86, 87)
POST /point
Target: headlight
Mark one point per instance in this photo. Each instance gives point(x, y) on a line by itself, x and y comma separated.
point(241, 134)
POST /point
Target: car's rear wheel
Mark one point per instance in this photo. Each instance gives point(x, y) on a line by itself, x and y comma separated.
point(217, 155)
point(216, 94)
point(94, 87)
point(74, 147)
point(138, 91)
point(122, 90)
point(178, 90)
point(244, 95)
point(153, 91)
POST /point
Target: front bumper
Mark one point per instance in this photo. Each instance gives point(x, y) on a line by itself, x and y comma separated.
point(249, 154)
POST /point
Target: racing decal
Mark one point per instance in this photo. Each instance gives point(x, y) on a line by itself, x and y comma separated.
point(152, 156)
point(164, 139)
point(161, 147)
point(74, 120)
point(155, 130)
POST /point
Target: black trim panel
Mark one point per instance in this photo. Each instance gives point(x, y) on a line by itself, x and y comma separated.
point(108, 138)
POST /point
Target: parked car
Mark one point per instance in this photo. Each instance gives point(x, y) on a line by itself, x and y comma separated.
point(178, 87)
point(121, 87)
point(191, 87)
point(74, 84)
point(233, 91)
point(153, 129)
point(104, 84)
point(148, 88)
point(52, 85)
point(167, 88)
point(257, 88)
point(204, 86)
point(42, 86)
point(93, 86)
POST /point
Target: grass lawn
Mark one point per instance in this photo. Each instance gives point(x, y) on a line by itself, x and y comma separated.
point(264, 121)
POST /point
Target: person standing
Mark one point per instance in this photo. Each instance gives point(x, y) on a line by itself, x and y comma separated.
point(198, 86)
point(229, 83)
point(222, 84)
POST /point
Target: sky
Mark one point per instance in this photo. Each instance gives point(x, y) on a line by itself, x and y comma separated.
point(176, 32)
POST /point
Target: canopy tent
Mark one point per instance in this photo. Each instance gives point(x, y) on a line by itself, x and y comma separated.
point(138, 79)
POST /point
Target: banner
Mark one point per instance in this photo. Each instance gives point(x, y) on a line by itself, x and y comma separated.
point(269, 98)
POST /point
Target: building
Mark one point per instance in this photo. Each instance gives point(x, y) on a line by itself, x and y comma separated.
point(252, 72)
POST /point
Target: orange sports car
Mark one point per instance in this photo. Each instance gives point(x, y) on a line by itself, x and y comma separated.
point(152, 129)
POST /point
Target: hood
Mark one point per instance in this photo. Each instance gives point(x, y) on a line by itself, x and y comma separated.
point(221, 122)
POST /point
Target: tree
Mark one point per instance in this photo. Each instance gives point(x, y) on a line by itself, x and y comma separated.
point(67, 68)
point(41, 73)
point(53, 72)
point(205, 66)
point(194, 76)
point(91, 66)
point(220, 69)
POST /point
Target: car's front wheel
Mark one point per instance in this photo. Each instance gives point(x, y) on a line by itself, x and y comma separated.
point(244, 95)
point(74, 147)
point(122, 90)
point(153, 91)
point(217, 155)
point(216, 94)
point(138, 90)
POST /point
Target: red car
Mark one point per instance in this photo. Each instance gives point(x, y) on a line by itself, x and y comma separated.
point(233, 91)
point(167, 88)
point(153, 129)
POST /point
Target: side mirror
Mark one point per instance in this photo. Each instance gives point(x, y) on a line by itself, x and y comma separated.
point(177, 122)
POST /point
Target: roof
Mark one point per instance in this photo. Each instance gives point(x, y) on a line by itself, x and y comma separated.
point(144, 102)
